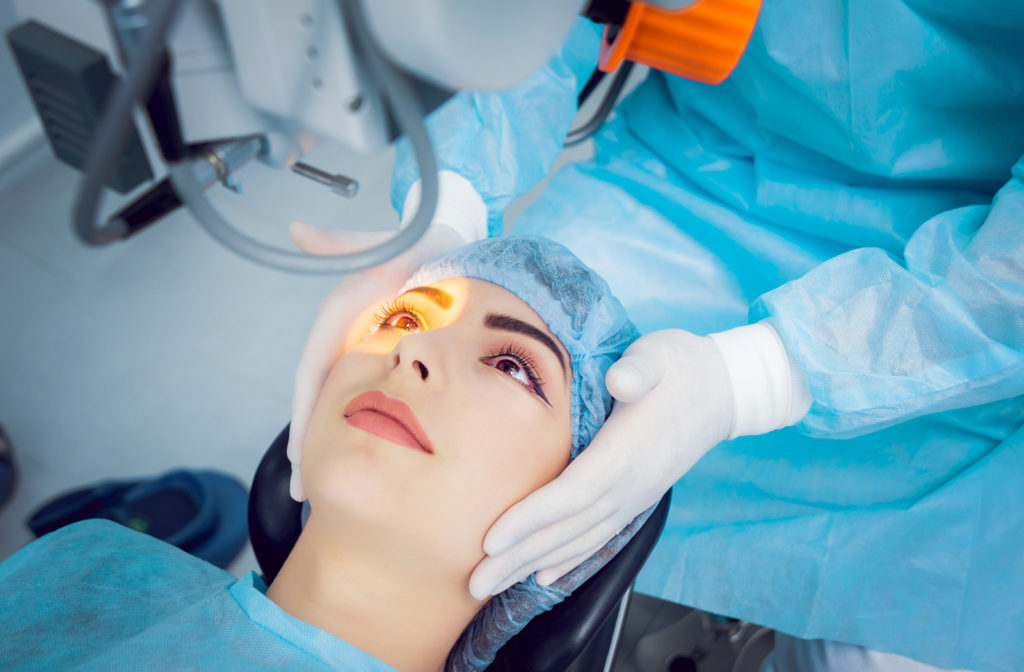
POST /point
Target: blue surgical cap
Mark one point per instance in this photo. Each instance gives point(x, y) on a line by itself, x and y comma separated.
point(581, 312)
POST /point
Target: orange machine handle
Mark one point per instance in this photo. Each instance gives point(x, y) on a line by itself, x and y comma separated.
point(703, 41)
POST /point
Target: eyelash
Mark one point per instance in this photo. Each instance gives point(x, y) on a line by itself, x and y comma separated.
point(396, 307)
point(508, 350)
point(524, 360)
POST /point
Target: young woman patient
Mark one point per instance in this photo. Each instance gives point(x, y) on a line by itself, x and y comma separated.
point(471, 389)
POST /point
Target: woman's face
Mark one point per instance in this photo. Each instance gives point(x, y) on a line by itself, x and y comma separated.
point(454, 406)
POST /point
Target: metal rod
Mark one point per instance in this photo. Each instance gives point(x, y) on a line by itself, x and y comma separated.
point(620, 622)
point(339, 184)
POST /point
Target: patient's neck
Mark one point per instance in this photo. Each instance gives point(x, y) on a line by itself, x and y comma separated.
point(353, 586)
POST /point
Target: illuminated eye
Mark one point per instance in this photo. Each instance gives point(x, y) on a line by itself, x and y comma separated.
point(404, 321)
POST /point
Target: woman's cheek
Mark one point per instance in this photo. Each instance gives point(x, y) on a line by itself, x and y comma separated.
point(512, 458)
point(543, 456)
point(522, 443)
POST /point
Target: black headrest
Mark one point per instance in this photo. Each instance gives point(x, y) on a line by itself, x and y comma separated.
point(275, 519)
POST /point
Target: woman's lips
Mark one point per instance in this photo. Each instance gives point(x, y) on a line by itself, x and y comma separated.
point(388, 418)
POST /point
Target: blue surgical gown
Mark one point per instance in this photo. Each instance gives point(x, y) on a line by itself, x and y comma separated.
point(98, 596)
point(859, 182)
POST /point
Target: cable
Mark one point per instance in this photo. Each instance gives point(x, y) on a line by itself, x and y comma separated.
point(595, 78)
point(582, 133)
point(115, 126)
point(141, 73)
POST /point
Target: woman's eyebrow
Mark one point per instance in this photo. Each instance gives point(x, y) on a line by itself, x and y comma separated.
point(440, 297)
point(509, 323)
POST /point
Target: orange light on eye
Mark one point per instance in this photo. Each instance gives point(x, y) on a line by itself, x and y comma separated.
point(406, 323)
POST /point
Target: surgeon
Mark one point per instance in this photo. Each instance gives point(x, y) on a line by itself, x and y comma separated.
point(826, 256)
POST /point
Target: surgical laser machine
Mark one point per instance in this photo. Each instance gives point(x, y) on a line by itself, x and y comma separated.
point(221, 82)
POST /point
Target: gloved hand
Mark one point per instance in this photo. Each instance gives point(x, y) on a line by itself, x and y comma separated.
point(677, 396)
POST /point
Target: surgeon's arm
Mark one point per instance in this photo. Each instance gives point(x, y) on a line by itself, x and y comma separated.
point(865, 340)
point(882, 340)
point(502, 144)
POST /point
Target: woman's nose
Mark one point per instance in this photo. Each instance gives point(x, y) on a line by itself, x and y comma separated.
point(420, 355)
point(418, 366)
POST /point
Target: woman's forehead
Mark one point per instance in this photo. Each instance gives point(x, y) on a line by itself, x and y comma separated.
point(476, 297)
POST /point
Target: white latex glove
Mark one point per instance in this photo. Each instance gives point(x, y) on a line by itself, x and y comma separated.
point(460, 218)
point(678, 395)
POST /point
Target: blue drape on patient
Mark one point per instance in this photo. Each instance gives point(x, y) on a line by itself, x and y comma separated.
point(99, 596)
point(859, 182)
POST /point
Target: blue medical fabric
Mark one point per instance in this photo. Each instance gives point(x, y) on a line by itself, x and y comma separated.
point(592, 325)
point(521, 133)
point(858, 181)
point(98, 596)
